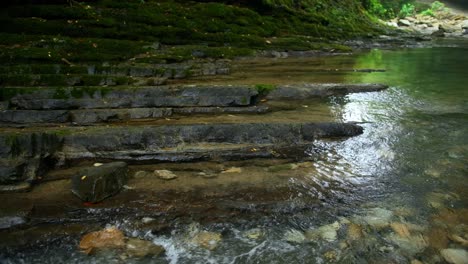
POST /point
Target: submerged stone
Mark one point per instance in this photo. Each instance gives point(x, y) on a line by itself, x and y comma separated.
point(141, 248)
point(455, 256)
point(11, 221)
point(106, 239)
point(95, 184)
point(294, 236)
point(208, 240)
point(165, 174)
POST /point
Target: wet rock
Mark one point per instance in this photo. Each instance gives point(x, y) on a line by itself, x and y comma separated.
point(233, 170)
point(147, 220)
point(33, 116)
point(144, 97)
point(108, 238)
point(378, 217)
point(304, 91)
point(16, 187)
point(254, 234)
point(141, 248)
point(294, 236)
point(411, 245)
point(283, 167)
point(404, 23)
point(331, 256)
point(354, 232)
point(120, 142)
point(95, 184)
point(165, 174)
point(437, 238)
point(400, 229)
point(140, 174)
point(415, 261)
point(208, 240)
point(455, 256)
point(326, 232)
point(11, 221)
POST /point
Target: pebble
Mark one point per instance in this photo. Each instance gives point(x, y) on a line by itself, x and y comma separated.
point(254, 234)
point(233, 170)
point(165, 174)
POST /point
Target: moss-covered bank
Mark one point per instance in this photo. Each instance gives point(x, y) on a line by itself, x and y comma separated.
point(147, 31)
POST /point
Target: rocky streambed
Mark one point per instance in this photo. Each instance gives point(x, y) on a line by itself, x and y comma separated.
point(272, 171)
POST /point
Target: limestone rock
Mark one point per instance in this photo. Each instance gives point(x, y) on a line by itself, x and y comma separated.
point(294, 236)
point(233, 170)
point(404, 23)
point(165, 174)
point(400, 229)
point(208, 240)
point(95, 184)
point(106, 239)
point(326, 232)
point(354, 231)
point(455, 256)
point(254, 234)
point(10, 221)
point(141, 248)
point(378, 217)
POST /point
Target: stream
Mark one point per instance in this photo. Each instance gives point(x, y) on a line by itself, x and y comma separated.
point(397, 193)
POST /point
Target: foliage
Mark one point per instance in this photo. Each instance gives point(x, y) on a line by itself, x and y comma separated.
point(437, 6)
point(406, 10)
point(428, 12)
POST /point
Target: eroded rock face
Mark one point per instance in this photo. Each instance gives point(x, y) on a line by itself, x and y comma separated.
point(95, 184)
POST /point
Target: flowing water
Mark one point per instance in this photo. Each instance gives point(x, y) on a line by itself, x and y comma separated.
point(396, 194)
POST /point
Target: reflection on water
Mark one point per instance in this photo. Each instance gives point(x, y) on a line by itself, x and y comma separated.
point(395, 194)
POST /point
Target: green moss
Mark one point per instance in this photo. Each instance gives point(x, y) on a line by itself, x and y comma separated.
point(264, 89)
point(8, 93)
point(61, 93)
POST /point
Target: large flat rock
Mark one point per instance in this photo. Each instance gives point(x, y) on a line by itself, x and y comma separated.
point(159, 142)
point(131, 97)
point(310, 90)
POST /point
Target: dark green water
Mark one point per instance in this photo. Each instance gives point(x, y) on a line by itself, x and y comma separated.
point(409, 167)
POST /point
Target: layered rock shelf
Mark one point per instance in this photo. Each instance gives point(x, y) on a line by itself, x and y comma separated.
point(52, 127)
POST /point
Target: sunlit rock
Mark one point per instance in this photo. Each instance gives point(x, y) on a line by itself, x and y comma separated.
point(455, 256)
point(326, 232)
point(354, 232)
point(141, 248)
point(233, 170)
point(400, 229)
point(254, 234)
point(294, 236)
point(208, 240)
point(165, 174)
point(108, 238)
point(377, 217)
point(410, 245)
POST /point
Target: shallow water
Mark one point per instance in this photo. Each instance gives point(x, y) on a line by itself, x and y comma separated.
point(410, 167)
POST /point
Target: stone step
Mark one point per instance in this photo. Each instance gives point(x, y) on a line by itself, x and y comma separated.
point(154, 142)
point(25, 155)
point(168, 96)
point(128, 97)
point(171, 71)
point(15, 118)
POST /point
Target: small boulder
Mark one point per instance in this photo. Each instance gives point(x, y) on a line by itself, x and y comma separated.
point(141, 248)
point(404, 23)
point(165, 174)
point(208, 240)
point(95, 184)
point(109, 238)
point(455, 256)
point(294, 236)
